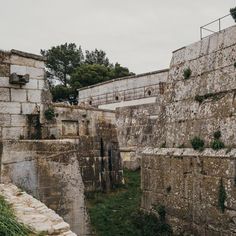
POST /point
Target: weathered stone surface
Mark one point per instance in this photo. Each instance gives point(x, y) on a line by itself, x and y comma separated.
point(187, 183)
point(18, 95)
point(34, 96)
point(33, 213)
point(4, 94)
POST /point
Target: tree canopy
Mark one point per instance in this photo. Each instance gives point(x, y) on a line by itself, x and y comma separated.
point(62, 60)
point(68, 65)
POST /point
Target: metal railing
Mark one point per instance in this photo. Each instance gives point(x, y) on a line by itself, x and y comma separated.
point(216, 24)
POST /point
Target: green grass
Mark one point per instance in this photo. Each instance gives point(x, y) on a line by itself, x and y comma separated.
point(8, 223)
point(117, 213)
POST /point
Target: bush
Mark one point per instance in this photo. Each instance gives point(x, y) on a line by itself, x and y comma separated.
point(187, 73)
point(217, 144)
point(197, 143)
point(233, 13)
point(49, 113)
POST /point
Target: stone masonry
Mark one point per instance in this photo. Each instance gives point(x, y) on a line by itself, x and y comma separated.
point(19, 101)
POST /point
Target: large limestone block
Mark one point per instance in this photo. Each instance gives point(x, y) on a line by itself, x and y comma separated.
point(5, 120)
point(10, 107)
point(12, 132)
point(18, 95)
point(29, 108)
point(4, 94)
point(33, 72)
point(4, 82)
point(18, 120)
point(34, 96)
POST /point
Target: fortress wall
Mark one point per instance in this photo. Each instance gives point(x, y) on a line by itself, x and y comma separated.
point(178, 116)
point(18, 101)
point(187, 184)
point(117, 93)
point(75, 121)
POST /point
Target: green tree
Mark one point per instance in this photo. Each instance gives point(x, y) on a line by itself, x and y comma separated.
point(86, 75)
point(120, 71)
point(60, 92)
point(96, 57)
point(62, 60)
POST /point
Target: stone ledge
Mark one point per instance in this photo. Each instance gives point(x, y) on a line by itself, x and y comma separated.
point(208, 152)
point(33, 213)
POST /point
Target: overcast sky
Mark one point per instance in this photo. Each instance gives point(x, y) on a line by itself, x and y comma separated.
point(139, 34)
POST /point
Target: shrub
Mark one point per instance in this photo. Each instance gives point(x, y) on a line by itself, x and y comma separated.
point(217, 144)
point(197, 143)
point(233, 13)
point(222, 196)
point(149, 225)
point(187, 73)
point(217, 134)
point(49, 113)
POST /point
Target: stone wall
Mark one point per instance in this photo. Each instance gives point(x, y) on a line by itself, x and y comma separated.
point(19, 101)
point(59, 172)
point(197, 106)
point(187, 183)
point(75, 121)
point(127, 91)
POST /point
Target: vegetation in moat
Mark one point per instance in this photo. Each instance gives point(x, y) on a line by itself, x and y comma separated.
point(8, 223)
point(118, 212)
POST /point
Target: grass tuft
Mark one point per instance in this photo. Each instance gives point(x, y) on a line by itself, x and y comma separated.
point(8, 223)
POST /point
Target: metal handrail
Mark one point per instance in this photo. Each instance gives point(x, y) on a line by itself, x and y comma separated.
point(219, 20)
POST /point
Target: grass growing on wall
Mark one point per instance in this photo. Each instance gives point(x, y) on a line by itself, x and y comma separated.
point(8, 223)
point(117, 213)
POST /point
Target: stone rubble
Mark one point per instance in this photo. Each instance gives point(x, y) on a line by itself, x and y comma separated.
point(33, 213)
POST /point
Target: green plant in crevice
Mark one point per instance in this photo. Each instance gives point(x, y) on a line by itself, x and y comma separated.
point(49, 113)
point(163, 145)
point(233, 13)
point(217, 144)
point(197, 143)
point(234, 64)
point(217, 134)
point(213, 96)
point(187, 73)
point(222, 196)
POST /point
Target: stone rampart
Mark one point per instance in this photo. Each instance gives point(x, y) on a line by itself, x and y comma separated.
point(188, 184)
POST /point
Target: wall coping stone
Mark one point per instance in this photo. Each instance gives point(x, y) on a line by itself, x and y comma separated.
point(189, 152)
